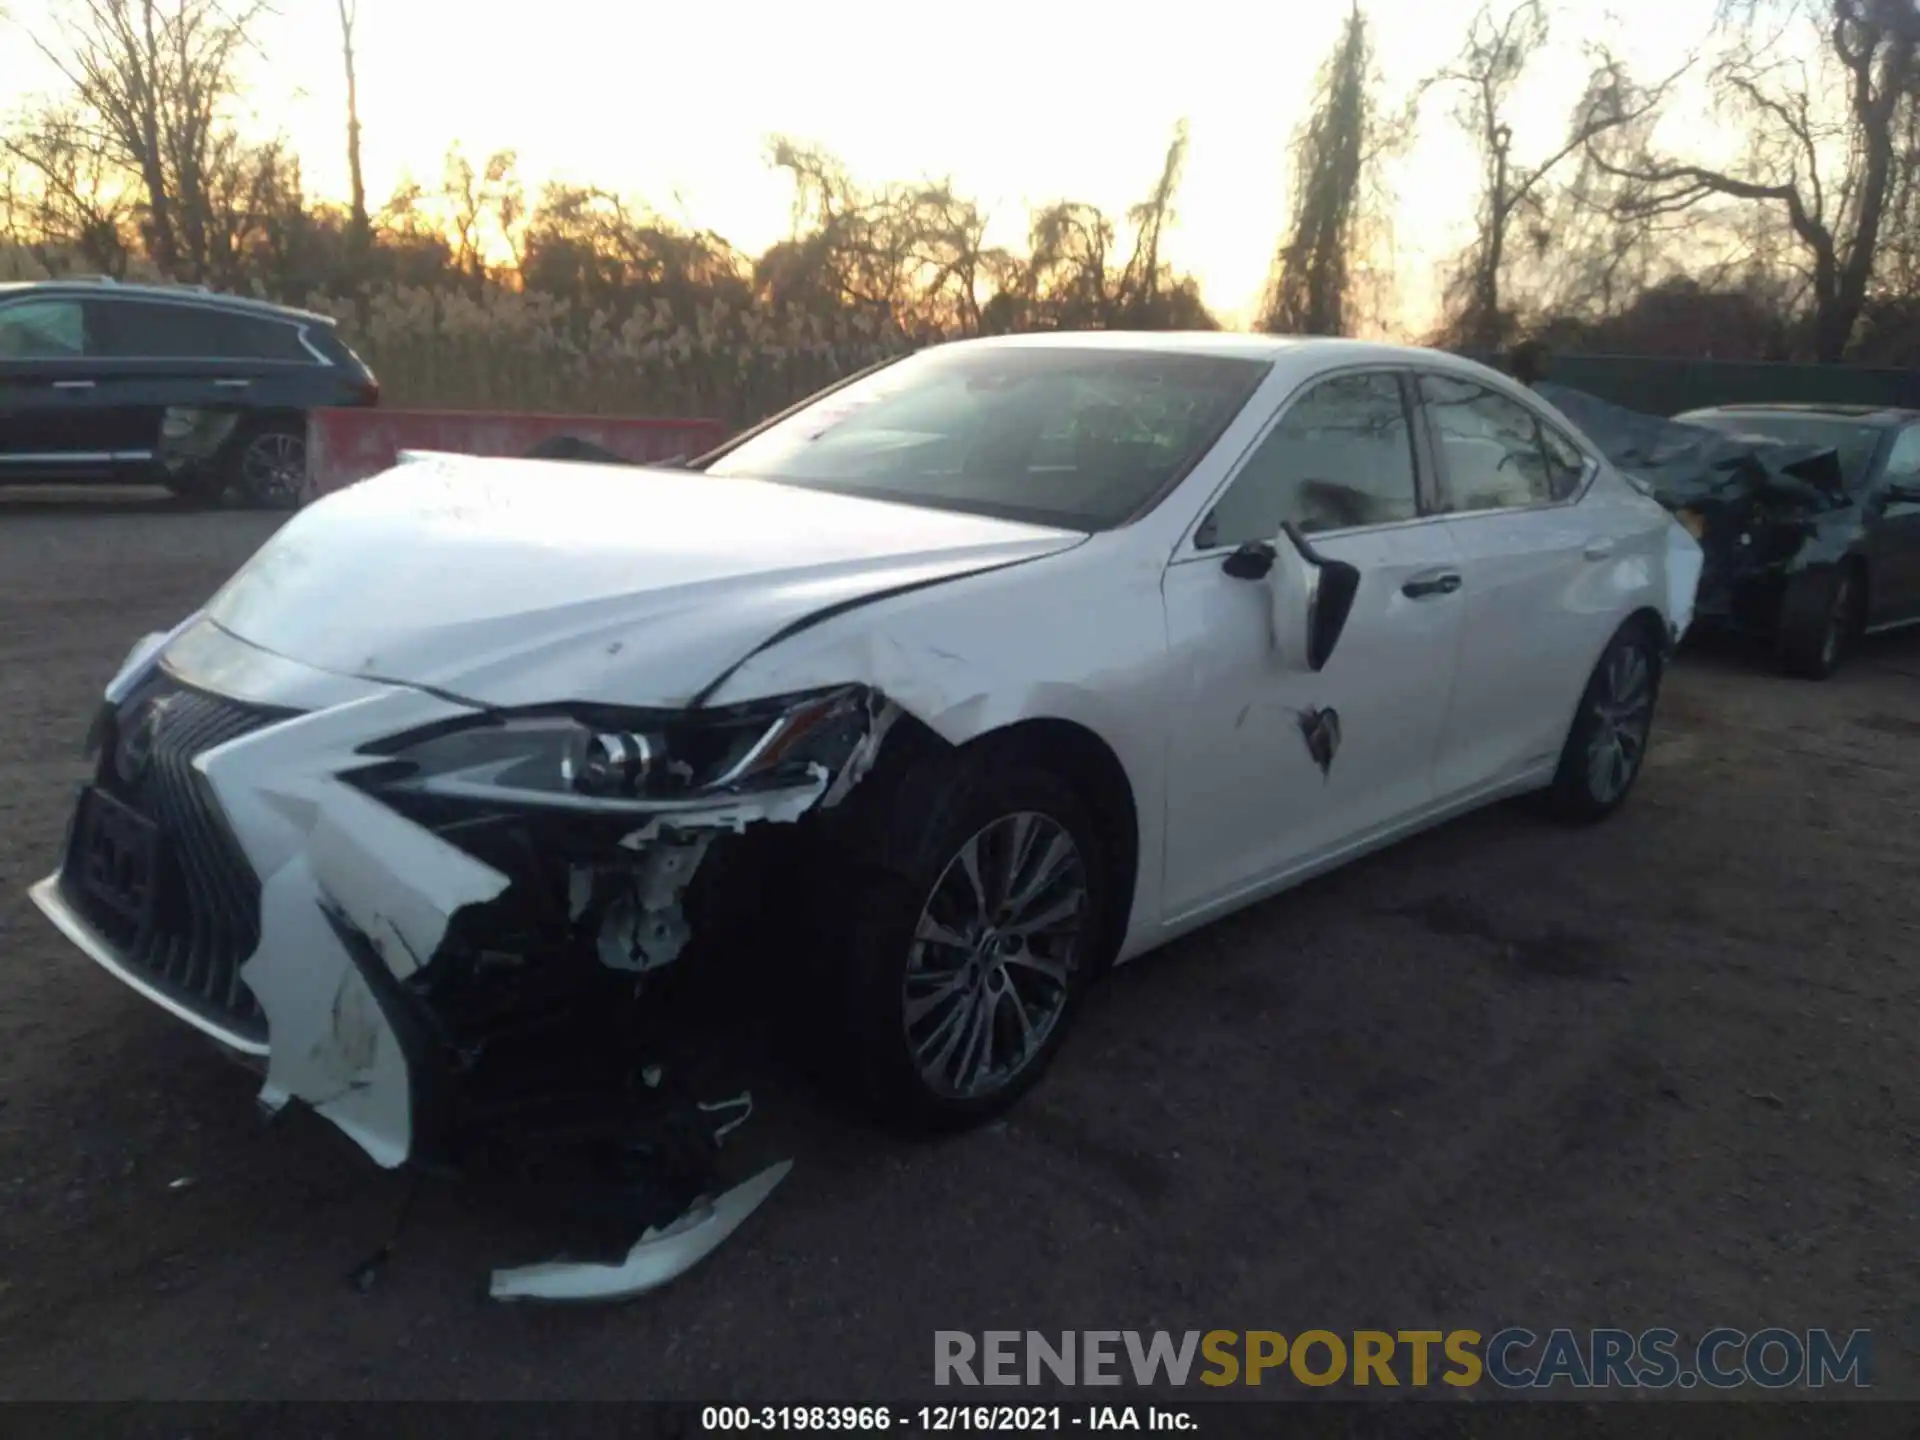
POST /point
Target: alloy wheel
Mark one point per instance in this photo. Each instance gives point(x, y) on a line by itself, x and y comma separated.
point(273, 469)
point(994, 957)
point(1623, 712)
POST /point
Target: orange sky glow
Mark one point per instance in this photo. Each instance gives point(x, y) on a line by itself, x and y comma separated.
point(1019, 103)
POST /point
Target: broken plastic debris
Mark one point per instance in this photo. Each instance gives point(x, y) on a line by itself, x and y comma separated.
point(660, 1255)
point(185, 1182)
point(743, 1102)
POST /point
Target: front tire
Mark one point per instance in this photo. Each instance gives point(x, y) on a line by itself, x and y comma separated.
point(967, 955)
point(1607, 747)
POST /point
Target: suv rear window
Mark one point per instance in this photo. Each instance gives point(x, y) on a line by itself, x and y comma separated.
point(146, 330)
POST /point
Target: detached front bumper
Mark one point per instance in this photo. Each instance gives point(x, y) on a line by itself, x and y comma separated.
point(220, 866)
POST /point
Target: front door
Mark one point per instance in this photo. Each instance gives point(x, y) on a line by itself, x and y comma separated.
point(46, 390)
point(1273, 766)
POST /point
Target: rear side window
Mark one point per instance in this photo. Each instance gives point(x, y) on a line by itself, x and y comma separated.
point(42, 330)
point(149, 330)
point(1498, 454)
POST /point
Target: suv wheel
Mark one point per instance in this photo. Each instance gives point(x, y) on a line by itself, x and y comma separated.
point(269, 470)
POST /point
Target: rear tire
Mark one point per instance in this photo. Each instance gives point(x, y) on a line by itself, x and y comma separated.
point(268, 470)
point(971, 938)
point(1820, 617)
point(1607, 747)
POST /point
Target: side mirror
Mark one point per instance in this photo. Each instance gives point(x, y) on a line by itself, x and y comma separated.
point(1328, 587)
point(1251, 561)
point(1311, 594)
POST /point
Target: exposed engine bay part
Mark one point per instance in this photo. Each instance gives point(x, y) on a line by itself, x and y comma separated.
point(644, 926)
point(660, 1255)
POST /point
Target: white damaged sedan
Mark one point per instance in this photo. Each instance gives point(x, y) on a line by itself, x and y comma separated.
point(996, 665)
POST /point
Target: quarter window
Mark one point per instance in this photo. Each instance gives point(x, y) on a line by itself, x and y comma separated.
point(42, 330)
point(1341, 457)
point(1499, 455)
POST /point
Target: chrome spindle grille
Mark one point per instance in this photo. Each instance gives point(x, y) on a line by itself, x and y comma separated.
point(204, 920)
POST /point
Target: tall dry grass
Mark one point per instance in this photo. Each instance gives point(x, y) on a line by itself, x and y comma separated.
point(506, 349)
point(511, 350)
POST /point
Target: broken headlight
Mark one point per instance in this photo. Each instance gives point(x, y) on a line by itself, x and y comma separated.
point(590, 757)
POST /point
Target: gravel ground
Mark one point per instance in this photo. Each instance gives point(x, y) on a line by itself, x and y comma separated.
point(1656, 1073)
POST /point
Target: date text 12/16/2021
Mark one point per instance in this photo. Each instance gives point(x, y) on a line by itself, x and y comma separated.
point(941, 1419)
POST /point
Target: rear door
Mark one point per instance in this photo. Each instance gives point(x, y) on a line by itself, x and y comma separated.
point(1275, 769)
point(1893, 535)
point(47, 388)
point(1533, 565)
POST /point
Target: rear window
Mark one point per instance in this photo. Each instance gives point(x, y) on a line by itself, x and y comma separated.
point(1855, 444)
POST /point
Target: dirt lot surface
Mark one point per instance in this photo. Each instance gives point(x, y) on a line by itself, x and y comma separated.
point(1656, 1073)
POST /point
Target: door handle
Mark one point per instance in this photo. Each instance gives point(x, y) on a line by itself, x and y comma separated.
point(1597, 550)
point(231, 384)
point(1422, 587)
point(73, 384)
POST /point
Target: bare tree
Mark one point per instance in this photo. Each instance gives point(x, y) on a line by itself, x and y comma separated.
point(1150, 218)
point(1831, 168)
point(71, 203)
point(1488, 69)
point(1314, 271)
point(154, 79)
point(360, 232)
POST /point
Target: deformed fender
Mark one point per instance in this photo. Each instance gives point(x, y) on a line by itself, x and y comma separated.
point(1685, 563)
point(657, 1257)
point(956, 697)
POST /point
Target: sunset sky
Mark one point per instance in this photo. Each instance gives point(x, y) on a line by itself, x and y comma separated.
point(1020, 103)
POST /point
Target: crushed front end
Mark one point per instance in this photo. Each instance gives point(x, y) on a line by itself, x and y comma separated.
point(1761, 510)
point(442, 927)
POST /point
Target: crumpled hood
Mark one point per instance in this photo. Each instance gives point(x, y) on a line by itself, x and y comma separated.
point(511, 582)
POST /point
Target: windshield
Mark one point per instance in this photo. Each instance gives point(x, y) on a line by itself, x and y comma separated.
point(1854, 443)
point(1082, 439)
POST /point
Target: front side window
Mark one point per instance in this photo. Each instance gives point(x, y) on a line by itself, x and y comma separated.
point(42, 330)
point(1498, 454)
point(1342, 456)
point(1080, 438)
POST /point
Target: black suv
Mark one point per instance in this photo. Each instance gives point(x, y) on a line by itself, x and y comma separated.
point(173, 385)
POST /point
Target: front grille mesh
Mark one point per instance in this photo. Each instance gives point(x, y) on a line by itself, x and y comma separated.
point(205, 919)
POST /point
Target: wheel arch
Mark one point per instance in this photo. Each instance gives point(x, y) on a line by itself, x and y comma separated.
point(1089, 764)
